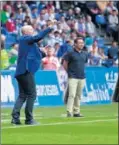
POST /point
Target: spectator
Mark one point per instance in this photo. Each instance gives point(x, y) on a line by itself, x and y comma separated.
point(5, 15)
point(57, 37)
point(70, 15)
point(72, 24)
point(59, 27)
point(92, 10)
point(102, 54)
point(102, 5)
point(90, 27)
point(56, 47)
point(4, 54)
point(63, 24)
point(113, 20)
point(44, 14)
point(113, 51)
point(50, 6)
point(27, 20)
point(28, 13)
point(94, 56)
point(20, 15)
point(36, 28)
point(110, 7)
point(82, 5)
point(51, 14)
point(81, 27)
point(66, 47)
point(50, 62)
point(25, 6)
point(41, 6)
point(10, 24)
point(41, 21)
point(58, 14)
point(34, 13)
point(73, 35)
point(113, 24)
point(13, 54)
point(49, 40)
point(18, 26)
point(17, 5)
point(64, 36)
point(78, 13)
point(8, 7)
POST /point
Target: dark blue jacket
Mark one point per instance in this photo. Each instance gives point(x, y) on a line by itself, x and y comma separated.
point(29, 55)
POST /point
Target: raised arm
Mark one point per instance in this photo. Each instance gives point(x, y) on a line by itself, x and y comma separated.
point(36, 38)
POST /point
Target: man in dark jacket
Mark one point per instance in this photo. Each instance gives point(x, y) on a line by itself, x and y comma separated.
point(28, 63)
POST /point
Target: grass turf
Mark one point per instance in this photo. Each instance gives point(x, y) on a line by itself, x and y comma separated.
point(99, 126)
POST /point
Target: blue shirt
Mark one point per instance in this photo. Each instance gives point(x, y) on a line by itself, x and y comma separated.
point(63, 49)
point(76, 63)
point(113, 53)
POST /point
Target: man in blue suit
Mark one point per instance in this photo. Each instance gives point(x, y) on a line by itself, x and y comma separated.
point(28, 63)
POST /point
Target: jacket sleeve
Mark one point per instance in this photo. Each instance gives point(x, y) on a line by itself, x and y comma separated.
point(37, 37)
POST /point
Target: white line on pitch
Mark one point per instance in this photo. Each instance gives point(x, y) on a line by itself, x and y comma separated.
point(60, 123)
point(62, 116)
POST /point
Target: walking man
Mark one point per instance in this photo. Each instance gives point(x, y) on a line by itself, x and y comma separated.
point(28, 63)
point(74, 64)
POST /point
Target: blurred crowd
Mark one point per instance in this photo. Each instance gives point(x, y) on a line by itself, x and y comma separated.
point(71, 19)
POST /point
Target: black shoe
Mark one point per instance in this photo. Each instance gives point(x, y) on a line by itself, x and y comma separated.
point(15, 122)
point(78, 115)
point(69, 114)
point(31, 122)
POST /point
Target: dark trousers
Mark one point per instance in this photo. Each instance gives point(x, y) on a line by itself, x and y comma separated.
point(27, 94)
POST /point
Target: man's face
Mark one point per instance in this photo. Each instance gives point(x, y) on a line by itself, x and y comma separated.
point(79, 44)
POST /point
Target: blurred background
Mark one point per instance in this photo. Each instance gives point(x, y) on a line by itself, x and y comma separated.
point(95, 21)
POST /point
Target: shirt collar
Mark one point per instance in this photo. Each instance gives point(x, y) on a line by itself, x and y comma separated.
point(78, 51)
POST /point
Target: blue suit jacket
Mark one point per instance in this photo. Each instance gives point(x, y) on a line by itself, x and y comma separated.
point(29, 55)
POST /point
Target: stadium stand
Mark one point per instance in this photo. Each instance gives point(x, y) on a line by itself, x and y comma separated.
point(70, 21)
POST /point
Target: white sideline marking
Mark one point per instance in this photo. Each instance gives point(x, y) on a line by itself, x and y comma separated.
point(61, 123)
point(62, 116)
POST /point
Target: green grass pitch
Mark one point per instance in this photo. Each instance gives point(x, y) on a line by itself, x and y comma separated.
point(99, 126)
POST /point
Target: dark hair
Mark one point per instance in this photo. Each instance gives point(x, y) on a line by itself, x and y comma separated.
point(56, 32)
point(56, 44)
point(79, 38)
